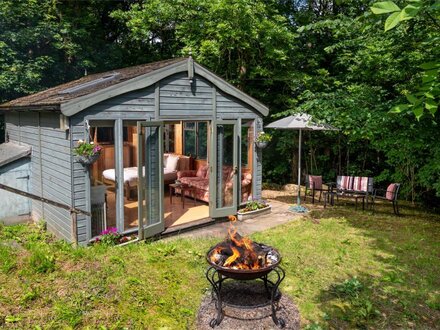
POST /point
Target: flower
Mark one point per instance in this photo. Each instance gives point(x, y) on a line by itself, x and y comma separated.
point(87, 148)
point(109, 236)
point(263, 137)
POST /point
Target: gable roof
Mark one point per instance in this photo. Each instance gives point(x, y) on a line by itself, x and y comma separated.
point(75, 96)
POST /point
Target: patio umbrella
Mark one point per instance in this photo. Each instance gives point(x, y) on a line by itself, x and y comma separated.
point(300, 122)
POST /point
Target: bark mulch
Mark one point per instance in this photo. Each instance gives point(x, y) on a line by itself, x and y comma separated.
point(251, 308)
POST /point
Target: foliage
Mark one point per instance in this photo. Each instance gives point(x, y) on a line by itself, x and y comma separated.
point(349, 288)
point(109, 237)
point(428, 94)
point(253, 206)
point(86, 149)
point(332, 60)
point(263, 137)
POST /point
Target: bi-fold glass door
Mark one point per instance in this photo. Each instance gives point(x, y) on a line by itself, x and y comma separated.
point(224, 168)
point(150, 179)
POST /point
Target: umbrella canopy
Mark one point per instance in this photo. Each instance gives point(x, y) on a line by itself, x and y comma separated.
point(300, 122)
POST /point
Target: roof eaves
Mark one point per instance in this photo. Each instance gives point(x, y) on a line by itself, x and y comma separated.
point(38, 107)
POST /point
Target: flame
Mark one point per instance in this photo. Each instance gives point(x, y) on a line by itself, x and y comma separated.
point(231, 259)
point(232, 218)
point(242, 248)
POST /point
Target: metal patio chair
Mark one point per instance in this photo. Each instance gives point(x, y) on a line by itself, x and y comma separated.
point(390, 194)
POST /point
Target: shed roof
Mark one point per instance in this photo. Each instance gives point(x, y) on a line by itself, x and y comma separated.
point(10, 152)
point(73, 97)
point(54, 96)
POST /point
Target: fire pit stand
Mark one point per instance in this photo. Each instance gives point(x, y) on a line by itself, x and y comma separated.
point(216, 277)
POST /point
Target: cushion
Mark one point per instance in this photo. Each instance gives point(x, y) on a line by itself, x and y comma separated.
point(207, 171)
point(315, 181)
point(201, 172)
point(360, 183)
point(172, 162)
point(391, 190)
point(165, 158)
point(346, 182)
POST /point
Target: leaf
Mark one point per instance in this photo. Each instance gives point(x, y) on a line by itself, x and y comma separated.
point(392, 21)
point(411, 98)
point(430, 65)
point(418, 112)
point(384, 7)
point(399, 108)
point(431, 106)
point(409, 12)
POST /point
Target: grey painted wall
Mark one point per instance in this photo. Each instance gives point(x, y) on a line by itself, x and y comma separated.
point(15, 175)
point(50, 166)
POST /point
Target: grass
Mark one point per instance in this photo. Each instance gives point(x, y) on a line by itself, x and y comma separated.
point(345, 269)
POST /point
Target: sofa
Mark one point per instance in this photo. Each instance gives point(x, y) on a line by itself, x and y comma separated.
point(199, 179)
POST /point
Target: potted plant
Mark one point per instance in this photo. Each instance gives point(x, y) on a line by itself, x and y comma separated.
point(87, 152)
point(252, 209)
point(263, 139)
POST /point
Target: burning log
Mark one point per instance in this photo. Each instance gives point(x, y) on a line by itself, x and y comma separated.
point(238, 252)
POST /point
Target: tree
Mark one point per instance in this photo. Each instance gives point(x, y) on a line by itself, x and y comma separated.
point(427, 94)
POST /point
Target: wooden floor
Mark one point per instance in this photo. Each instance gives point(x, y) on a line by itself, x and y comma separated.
point(174, 213)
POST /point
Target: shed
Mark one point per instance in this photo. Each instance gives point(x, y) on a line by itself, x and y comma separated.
point(14, 172)
point(177, 149)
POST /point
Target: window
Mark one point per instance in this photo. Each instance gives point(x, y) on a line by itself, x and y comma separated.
point(105, 135)
point(169, 138)
point(195, 137)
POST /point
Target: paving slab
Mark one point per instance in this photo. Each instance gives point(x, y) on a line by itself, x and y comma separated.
point(279, 215)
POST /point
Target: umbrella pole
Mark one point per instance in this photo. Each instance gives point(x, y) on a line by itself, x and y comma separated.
point(299, 168)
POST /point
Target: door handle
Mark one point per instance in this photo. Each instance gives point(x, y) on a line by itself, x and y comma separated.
point(235, 170)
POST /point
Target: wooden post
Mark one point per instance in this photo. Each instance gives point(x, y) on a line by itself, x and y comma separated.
point(73, 217)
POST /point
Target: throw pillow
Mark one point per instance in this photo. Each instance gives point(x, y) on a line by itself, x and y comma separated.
point(390, 191)
point(172, 162)
point(201, 172)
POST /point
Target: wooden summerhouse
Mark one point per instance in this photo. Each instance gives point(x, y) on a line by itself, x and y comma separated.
point(177, 149)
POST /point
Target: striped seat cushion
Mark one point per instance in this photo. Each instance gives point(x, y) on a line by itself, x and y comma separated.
point(346, 182)
point(360, 183)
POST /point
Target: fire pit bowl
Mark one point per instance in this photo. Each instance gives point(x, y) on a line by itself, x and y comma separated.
point(246, 274)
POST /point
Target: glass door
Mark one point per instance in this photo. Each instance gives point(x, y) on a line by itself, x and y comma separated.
point(224, 168)
point(150, 179)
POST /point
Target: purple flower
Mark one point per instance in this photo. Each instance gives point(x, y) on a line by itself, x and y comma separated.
point(109, 231)
point(97, 149)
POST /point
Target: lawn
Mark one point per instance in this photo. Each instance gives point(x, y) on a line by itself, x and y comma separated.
point(344, 268)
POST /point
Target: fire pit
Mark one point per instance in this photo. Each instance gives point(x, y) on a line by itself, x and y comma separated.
point(239, 258)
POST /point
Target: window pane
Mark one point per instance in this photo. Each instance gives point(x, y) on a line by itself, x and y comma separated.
point(190, 142)
point(202, 135)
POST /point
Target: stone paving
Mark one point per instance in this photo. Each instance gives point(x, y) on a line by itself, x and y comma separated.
point(279, 215)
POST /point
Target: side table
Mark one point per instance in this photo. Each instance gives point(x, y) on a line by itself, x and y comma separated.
point(329, 197)
point(183, 188)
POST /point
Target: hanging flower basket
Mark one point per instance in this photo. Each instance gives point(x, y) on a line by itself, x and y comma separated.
point(262, 140)
point(88, 160)
point(261, 144)
point(87, 152)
